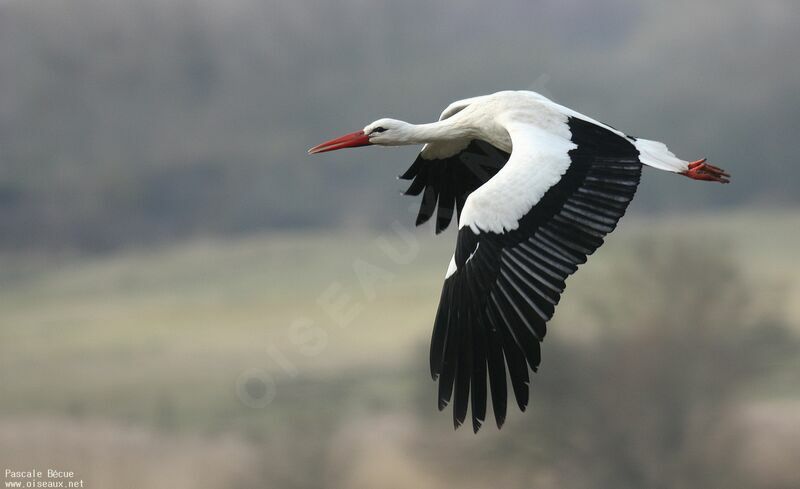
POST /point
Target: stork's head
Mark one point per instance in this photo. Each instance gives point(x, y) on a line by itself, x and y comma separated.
point(385, 132)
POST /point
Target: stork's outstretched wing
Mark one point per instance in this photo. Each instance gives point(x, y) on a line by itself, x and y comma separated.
point(449, 180)
point(522, 233)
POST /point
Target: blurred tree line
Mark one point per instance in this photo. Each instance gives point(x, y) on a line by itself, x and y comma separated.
point(129, 122)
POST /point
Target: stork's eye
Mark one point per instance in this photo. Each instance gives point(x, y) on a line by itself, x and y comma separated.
point(379, 129)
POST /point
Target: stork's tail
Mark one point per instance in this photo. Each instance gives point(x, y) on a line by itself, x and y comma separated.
point(657, 155)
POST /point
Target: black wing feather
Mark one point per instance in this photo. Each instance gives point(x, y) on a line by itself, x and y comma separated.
point(448, 181)
point(507, 285)
point(497, 370)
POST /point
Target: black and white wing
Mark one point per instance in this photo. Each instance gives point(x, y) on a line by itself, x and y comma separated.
point(521, 234)
point(446, 173)
point(446, 181)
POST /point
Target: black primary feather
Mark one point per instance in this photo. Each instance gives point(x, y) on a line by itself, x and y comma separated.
point(494, 309)
point(448, 181)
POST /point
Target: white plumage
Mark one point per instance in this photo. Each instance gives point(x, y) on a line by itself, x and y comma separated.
point(536, 187)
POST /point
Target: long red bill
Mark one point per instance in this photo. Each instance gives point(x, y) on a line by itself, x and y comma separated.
point(352, 140)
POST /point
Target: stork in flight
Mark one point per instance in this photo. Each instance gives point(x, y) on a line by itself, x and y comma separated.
point(536, 187)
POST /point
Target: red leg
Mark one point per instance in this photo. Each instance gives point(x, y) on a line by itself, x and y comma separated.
point(700, 170)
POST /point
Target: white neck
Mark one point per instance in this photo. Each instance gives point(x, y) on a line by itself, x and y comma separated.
point(435, 132)
point(403, 133)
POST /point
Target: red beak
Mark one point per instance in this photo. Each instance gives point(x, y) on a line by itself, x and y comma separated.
point(352, 140)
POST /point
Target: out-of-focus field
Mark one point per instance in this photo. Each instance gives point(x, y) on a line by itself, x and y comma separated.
point(297, 360)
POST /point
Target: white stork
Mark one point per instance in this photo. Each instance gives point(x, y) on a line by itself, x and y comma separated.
point(536, 186)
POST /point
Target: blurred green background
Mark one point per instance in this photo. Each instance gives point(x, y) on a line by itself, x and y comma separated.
point(189, 301)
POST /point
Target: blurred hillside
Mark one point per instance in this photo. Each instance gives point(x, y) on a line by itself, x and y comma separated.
point(132, 122)
point(221, 364)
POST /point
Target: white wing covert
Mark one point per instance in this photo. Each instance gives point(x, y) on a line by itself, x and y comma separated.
point(521, 235)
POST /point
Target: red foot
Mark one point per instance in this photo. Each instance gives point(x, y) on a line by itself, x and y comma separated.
point(700, 170)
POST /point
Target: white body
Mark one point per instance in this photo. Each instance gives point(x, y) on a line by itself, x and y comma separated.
point(560, 186)
point(534, 130)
